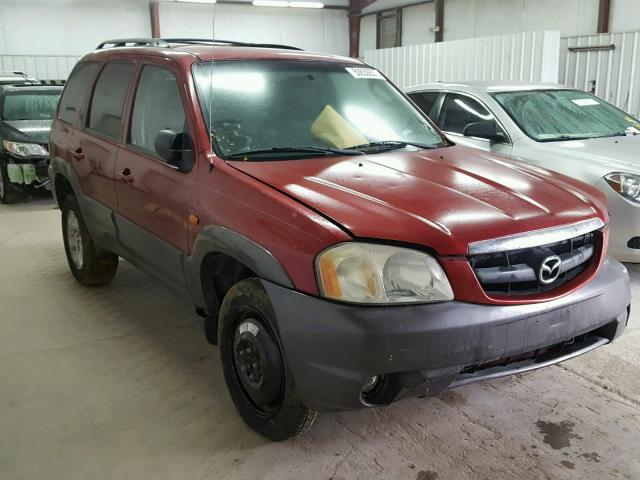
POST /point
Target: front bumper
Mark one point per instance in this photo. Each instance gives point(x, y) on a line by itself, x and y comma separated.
point(27, 172)
point(333, 349)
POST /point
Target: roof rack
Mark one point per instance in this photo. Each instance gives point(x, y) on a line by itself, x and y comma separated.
point(166, 43)
point(233, 43)
point(133, 42)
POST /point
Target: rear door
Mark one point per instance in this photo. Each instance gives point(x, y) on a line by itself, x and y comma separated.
point(153, 195)
point(458, 111)
point(99, 142)
point(63, 140)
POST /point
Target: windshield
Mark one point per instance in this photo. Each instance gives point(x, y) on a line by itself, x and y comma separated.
point(553, 115)
point(32, 106)
point(271, 104)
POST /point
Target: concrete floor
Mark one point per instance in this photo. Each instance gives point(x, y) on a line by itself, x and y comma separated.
point(119, 383)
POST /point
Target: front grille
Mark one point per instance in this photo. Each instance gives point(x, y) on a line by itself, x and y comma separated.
point(543, 354)
point(517, 272)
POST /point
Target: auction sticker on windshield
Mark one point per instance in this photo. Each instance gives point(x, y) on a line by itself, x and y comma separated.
point(369, 73)
point(585, 102)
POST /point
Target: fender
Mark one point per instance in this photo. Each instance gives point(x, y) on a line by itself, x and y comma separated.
point(216, 239)
point(58, 166)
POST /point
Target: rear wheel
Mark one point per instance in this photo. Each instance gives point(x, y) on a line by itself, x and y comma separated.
point(256, 374)
point(8, 192)
point(88, 265)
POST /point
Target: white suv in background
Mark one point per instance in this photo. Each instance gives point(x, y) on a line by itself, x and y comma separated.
point(554, 127)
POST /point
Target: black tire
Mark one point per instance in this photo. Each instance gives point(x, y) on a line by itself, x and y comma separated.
point(9, 193)
point(211, 330)
point(94, 268)
point(273, 408)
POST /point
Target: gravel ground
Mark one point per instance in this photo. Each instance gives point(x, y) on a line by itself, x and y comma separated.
point(119, 383)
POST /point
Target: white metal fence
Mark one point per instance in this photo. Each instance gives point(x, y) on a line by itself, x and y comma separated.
point(530, 56)
point(42, 67)
point(607, 64)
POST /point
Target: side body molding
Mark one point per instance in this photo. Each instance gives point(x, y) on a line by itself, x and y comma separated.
point(214, 239)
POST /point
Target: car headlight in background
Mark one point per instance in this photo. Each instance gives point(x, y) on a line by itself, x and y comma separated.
point(25, 150)
point(626, 184)
point(371, 273)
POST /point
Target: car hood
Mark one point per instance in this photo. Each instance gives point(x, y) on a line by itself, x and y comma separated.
point(34, 131)
point(610, 154)
point(443, 199)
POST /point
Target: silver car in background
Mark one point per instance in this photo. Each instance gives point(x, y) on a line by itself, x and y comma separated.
point(554, 127)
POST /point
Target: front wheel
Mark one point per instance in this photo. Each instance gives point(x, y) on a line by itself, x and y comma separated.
point(89, 266)
point(256, 374)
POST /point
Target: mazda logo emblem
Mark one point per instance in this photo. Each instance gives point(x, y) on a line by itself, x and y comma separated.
point(549, 269)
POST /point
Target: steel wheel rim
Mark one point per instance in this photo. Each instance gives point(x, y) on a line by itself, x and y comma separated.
point(74, 240)
point(244, 384)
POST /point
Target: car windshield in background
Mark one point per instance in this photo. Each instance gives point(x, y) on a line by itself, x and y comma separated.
point(279, 109)
point(556, 115)
point(29, 106)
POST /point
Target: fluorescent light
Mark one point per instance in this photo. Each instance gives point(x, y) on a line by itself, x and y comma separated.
point(270, 3)
point(196, 1)
point(306, 4)
point(282, 3)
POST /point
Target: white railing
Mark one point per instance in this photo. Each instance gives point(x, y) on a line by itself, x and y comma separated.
point(607, 64)
point(530, 56)
point(42, 67)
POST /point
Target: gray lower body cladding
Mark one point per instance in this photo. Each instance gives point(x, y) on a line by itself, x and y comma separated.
point(333, 349)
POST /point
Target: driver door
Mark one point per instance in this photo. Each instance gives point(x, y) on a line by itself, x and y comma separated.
point(460, 110)
point(153, 195)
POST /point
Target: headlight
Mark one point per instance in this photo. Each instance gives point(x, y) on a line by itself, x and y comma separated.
point(625, 184)
point(371, 273)
point(25, 150)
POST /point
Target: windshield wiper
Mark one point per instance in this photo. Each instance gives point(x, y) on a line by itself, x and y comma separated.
point(308, 151)
point(564, 138)
point(626, 133)
point(383, 146)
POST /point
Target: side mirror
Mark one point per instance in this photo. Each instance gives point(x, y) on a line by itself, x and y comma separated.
point(486, 130)
point(175, 149)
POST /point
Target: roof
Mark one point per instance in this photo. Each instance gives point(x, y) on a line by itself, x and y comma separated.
point(487, 86)
point(30, 88)
point(208, 52)
point(12, 74)
point(202, 51)
point(9, 75)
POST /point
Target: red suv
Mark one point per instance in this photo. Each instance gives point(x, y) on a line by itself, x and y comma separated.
point(342, 251)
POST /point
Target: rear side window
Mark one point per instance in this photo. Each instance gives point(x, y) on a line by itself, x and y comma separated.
point(157, 107)
point(458, 111)
point(425, 100)
point(74, 91)
point(109, 95)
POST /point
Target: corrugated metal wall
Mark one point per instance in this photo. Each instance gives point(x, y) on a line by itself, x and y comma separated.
point(616, 72)
point(42, 67)
point(530, 56)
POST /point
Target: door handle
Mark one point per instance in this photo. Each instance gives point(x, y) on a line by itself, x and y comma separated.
point(78, 154)
point(125, 176)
